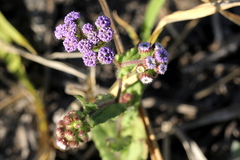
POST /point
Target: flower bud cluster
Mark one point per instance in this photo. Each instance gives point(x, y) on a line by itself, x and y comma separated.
point(126, 98)
point(89, 40)
point(155, 59)
point(72, 130)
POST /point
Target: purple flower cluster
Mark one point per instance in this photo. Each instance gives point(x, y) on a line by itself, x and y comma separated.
point(68, 31)
point(89, 40)
point(72, 130)
point(155, 59)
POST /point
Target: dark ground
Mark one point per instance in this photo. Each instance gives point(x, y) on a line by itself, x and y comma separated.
point(207, 55)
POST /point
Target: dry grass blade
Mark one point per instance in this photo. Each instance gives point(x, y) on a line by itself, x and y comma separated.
point(191, 148)
point(203, 93)
point(231, 16)
point(64, 55)
point(200, 11)
point(153, 146)
point(131, 31)
point(48, 63)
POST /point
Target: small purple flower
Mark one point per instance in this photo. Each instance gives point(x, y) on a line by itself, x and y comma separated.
point(144, 47)
point(103, 21)
point(161, 55)
point(70, 44)
point(71, 17)
point(105, 55)
point(90, 58)
point(157, 46)
point(162, 68)
point(145, 78)
point(150, 62)
point(105, 34)
point(93, 37)
point(70, 29)
point(88, 28)
point(84, 46)
point(60, 31)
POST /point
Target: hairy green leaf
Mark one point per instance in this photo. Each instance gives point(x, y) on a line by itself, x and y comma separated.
point(131, 133)
point(106, 113)
point(129, 55)
point(88, 107)
point(119, 143)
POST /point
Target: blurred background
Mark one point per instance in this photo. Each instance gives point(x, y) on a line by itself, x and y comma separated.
point(197, 100)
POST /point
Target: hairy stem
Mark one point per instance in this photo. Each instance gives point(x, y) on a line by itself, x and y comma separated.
point(128, 63)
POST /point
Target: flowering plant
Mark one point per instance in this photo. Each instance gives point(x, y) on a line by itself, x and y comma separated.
point(146, 60)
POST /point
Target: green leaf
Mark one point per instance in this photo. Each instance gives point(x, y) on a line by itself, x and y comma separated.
point(150, 17)
point(88, 107)
point(7, 30)
point(129, 55)
point(119, 143)
point(125, 70)
point(106, 113)
point(103, 98)
point(136, 90)
point(132, 134)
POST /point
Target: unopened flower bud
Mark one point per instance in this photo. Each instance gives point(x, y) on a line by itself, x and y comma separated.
point(73, 144)
point(62, 143)
point(69, 135)
point(85, 137)
point(60, 132)
point(126, 98)
point(67, 120)
point(140, 68)
point(61, 123)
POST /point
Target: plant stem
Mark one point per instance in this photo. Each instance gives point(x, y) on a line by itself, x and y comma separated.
point(119, 90)
point(128, 63)
point(116, 38)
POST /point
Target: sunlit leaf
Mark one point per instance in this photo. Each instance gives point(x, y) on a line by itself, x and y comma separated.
point(119, 143)
point(133, 148)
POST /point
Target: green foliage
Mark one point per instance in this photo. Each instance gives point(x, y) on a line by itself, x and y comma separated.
point(106, 113)
point(150, 17)
point(122, 138)
point(136, 90)
point(88, 107)
point(129, 55)
point(102, 110)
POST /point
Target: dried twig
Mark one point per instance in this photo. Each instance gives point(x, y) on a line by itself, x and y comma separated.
point(48, 63)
